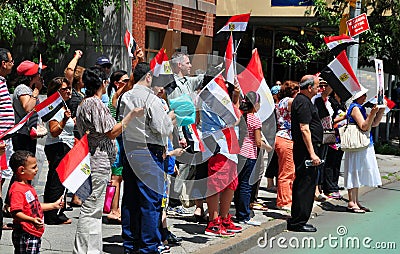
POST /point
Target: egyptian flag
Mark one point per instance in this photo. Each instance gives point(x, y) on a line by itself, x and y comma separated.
point(49, 107)
point(12, 131)
point(340, 76)
point(337, 44)
point(237, 23)
point(229, 64)
point(193, 137)
point(390, 104)
point(252, 79)
point(227, 140)
point(130, 43)
point(162, 73)
point(74, 169)
point(215, 96)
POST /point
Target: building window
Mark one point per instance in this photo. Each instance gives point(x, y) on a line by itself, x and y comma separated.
point(154, 40)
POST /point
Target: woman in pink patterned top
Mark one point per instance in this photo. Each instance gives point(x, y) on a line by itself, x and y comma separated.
point(248, 157)
point(284, 145)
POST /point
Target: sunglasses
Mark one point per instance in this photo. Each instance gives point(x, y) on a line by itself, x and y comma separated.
point(65, 88)
point(323, 86)
point(124, 80)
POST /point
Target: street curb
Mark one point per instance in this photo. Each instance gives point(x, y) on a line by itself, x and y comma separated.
point(249, 237)
point(245, 240)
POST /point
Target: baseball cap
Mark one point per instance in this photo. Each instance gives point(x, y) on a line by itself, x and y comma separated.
point(103, 60)
point(275, 89)
point(28, 68)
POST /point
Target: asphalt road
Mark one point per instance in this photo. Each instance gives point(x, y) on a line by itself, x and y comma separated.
point(343, 232)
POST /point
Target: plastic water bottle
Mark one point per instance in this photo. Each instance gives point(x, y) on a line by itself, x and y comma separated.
point(309, 163)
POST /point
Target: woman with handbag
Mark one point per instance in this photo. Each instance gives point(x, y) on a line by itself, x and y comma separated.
point(325, 113)
point(58, 143)
point(360, 166)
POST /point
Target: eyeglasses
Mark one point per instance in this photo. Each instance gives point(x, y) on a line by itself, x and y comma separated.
point(124, 80)
point(10, 61)
point(65, 88)
point(296, 88)
point(322, 86)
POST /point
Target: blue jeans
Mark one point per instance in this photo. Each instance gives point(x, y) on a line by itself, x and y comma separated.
point(243, 191)
point(141, 202)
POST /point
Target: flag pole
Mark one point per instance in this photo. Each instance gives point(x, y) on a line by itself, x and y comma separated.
point(64, 197)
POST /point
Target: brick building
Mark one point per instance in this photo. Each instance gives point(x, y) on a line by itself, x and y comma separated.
point(176, 25)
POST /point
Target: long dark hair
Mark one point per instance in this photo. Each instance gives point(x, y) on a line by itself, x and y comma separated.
point(93, 79)
point(251, 99)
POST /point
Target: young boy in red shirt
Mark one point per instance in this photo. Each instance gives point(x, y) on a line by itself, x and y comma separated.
point(25, 207)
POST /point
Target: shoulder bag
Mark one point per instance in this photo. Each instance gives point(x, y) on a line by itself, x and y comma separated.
point(352, 138)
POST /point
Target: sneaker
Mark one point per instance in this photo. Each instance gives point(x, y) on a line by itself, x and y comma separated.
point(334, 195)
point(215, 228)
point(250, 222)
point(229, 226)
point(320, 198)
point(179, 211)
point(163, 249)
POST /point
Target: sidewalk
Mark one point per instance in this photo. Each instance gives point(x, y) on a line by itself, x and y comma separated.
point(60, 238)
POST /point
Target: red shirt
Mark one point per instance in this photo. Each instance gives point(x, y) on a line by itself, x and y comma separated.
point(23, 198)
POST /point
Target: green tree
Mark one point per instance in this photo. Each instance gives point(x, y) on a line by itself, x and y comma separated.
point(49, 20)
point(381, 41)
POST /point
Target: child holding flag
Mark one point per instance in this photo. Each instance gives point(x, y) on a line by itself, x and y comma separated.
point(25, 208)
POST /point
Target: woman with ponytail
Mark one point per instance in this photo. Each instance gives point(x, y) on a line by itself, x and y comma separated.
point(248, 156)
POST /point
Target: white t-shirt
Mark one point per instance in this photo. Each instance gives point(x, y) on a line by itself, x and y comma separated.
point(67, 135)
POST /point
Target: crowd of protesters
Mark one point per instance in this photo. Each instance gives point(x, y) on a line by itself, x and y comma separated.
point(134, 137)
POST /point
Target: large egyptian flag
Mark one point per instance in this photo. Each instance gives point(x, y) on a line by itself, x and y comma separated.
point(237, 23)
point(161, 68)
point(252, 79)
point(227, 140)
point(49, 107)
point(229, 64)
point(130, 43)
point(215, 95)
point(74, 169)
point(340, 76)
point(12, 131)
point(337, 44)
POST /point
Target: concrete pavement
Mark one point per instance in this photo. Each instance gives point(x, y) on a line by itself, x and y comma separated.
point(59, 238)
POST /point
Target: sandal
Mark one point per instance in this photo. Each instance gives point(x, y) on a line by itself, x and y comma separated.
point(354, 210)
point(259, 207)
point(366, 209)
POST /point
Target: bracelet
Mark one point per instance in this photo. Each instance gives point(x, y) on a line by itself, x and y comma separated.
point(35, 97)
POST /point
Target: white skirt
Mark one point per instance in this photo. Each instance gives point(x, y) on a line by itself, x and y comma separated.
point(361, 169)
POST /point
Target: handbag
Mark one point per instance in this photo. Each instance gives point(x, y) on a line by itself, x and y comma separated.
point(329, 137)
point(352, 138)
point(110, 192)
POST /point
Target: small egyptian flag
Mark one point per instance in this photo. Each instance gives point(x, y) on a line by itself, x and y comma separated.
point(49, 107)
point(74, 169)
point(337, 44)
point(237, 23)
point(130, 43)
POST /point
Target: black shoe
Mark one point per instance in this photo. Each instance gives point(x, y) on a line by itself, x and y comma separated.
point(173, 239)
point(68, 209)
point(201, 219)
point(304, 228)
